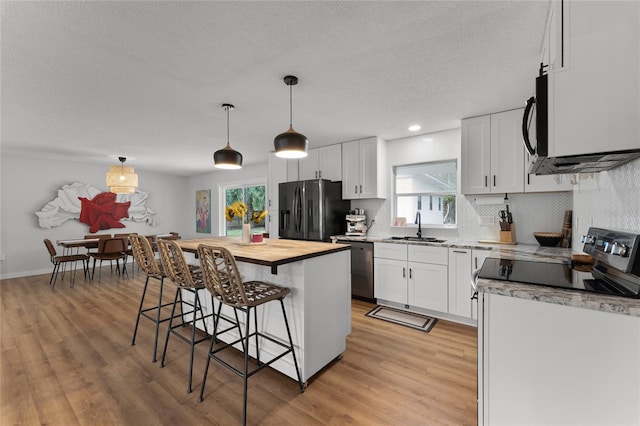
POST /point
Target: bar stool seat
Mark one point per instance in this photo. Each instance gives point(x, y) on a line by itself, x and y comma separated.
point(222, 279)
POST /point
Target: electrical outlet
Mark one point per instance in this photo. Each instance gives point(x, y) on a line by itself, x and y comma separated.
point(486, 220)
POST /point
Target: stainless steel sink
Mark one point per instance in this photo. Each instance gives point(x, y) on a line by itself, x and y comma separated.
point(420, 239)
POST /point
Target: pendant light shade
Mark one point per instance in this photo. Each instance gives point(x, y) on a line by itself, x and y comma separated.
point(291, 144)
point(122, 179)
point(227, 157)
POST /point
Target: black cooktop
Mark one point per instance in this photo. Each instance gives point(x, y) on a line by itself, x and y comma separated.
point(596, 279)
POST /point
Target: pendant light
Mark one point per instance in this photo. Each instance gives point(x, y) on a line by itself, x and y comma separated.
point(227, 157)
point(291, 144)
point(121, 179)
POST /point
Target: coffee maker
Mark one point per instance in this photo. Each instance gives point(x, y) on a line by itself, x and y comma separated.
point(356, 223)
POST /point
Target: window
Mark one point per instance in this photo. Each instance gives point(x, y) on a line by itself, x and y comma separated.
point(428, 188)
point(254, 198)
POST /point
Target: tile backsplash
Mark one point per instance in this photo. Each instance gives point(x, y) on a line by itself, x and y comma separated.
point(608, 200)
point(477, 221)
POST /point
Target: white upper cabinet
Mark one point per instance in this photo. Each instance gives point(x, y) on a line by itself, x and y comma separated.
point(363, 169)
point(493, 153)
point(594, 90)
point(322, 163)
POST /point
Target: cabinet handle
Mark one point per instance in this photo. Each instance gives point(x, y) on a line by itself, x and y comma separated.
point(319, 174)
point(361, 189)
point(410, 273)
point(475, 259)
point(356, 189)
point(404, 272)
point(485, 181)
point(459, 251)
point(316, 174)
point(494, 180)
point(528, 178)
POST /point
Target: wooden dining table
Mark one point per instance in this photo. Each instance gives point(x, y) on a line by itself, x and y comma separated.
point(69, 245)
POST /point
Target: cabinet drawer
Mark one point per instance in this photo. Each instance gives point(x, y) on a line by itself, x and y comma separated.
point(428, 254)
point(390, 251)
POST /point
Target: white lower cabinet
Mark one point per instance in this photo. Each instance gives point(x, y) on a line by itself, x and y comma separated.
point(477, 259)
point(427, 286)
point(549, 364)
point(428, 279)
point(390, 280)
point(460, 290)
point(411, 275)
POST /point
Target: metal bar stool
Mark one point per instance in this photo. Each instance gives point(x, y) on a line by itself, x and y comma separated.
point(222, 279)
point(188, 279)
point(145, 258)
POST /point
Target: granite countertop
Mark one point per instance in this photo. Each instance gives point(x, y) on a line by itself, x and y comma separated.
point(504, 251)
point(574, 298)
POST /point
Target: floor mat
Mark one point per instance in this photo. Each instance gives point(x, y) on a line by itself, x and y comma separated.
point(408, 319)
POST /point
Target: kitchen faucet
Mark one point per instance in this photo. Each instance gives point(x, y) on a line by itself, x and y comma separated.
point(419, 223)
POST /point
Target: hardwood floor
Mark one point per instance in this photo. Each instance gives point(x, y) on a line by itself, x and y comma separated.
point(66, 359)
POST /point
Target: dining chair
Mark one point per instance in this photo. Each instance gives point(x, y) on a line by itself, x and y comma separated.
point(189, 280)
point(222, 279)
point(64, 259)
point(128, 251)
point(92, 237)
point(109, 249)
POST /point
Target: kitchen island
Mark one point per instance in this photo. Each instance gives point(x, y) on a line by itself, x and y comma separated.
point(556, 356)
point(318, 307)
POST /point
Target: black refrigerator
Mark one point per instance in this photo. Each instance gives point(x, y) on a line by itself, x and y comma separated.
point(312, 210)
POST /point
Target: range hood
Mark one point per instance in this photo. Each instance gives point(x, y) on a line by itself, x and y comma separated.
point(586, 163)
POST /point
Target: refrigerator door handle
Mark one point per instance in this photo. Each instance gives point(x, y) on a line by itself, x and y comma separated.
point(298, 209)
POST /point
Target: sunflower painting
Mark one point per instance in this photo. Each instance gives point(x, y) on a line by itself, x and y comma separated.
point(203, 211)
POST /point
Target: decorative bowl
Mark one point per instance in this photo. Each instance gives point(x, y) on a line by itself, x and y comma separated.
point(548, 239)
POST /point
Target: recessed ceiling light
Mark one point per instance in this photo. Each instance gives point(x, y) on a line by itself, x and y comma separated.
point(414, 128)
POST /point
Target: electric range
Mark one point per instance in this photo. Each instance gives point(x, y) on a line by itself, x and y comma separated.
point(616, 270)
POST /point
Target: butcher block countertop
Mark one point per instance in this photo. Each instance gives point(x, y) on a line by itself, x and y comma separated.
point(272, 252)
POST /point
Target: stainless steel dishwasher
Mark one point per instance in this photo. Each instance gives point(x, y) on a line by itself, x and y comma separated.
point(362, 270)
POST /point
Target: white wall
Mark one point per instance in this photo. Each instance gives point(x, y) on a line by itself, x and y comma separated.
point(28, 183)
point(531, 212)
point(213, 181)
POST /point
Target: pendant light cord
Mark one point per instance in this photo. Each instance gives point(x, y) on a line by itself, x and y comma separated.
point(227, 126)
point(290, 105)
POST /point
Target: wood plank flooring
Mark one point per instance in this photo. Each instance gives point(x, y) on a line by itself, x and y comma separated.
point(67, 359)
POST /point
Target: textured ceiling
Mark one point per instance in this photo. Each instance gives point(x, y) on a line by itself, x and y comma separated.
point(85, 80)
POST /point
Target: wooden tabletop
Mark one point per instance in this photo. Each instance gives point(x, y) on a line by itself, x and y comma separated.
point(88, 243)
point(272, 253)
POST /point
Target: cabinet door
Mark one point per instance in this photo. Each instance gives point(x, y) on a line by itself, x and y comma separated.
point(368, 168)
point(390, 280)
point(330, 162)
point(476, 155)
point(507, 152)
point(309, 165)
point(350, 170)
point(460, 290)
point(478, 257)
point(594, 101)
point(427, 286)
